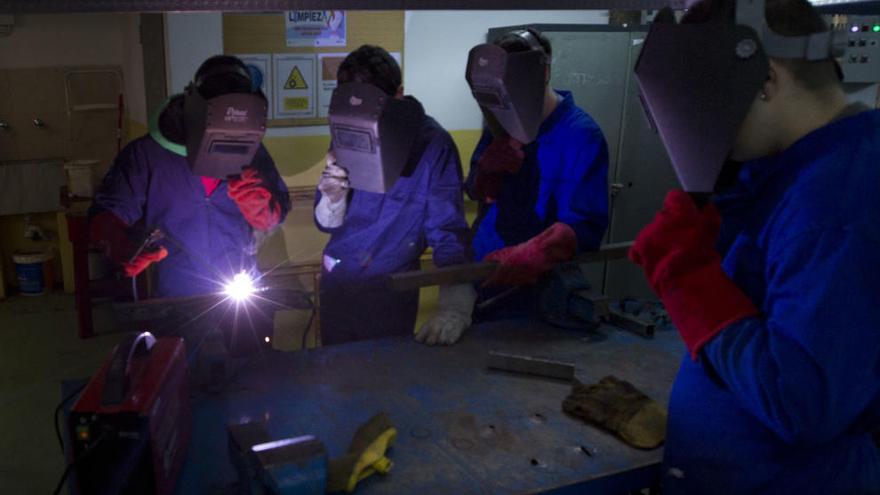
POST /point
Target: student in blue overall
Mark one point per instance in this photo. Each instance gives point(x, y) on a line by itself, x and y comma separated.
point(373, 235)
point(774, 286)
point(209, 223)
point(544, 200)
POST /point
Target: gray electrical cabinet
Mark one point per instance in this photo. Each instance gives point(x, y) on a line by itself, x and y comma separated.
point(596, 64)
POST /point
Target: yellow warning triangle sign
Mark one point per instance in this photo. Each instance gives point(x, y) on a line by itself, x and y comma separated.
point(296, 80)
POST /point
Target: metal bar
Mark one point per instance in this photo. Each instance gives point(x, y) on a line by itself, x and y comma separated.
point(630, 323)
point(48, 6)
point(458, 274)
point(530, 365)
point(475, 272)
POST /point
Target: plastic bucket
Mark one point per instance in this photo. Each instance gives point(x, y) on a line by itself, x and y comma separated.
point(32, 269)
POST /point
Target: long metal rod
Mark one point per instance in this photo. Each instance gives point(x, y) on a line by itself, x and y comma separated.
point(48, 6)
point(474, 272)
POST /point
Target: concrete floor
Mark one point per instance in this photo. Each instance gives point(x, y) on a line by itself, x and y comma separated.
point(38, 349)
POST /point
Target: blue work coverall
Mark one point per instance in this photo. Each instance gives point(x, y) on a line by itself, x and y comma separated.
point(564, 178)
point(207, 237)
point(785, 402)
point(387, 233)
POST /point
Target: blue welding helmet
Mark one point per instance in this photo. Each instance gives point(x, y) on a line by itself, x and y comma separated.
point(698, 80)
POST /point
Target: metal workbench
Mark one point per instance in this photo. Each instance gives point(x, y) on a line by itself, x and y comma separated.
point(462, 428)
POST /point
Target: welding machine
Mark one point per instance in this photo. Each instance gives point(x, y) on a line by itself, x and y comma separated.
point(130, 428)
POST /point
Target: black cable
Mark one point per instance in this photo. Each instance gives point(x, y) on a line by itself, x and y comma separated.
point(308, 329)
point(58, 410)
point(69, 468)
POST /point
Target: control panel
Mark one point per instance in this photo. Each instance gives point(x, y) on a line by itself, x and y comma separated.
point(861, 62)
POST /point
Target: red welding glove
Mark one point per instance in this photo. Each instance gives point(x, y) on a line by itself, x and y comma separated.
point(255, 200)
point(524, 263)
point(677, 252)
point(503, 156)
point(134, 267)
point(107, 232)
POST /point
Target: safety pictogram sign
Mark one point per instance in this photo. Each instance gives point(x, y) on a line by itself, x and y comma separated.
point(295, 80)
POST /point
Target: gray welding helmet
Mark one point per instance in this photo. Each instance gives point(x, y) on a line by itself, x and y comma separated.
point(225, 118)
point(698, 81)
point(372, 134)
point(510, 85)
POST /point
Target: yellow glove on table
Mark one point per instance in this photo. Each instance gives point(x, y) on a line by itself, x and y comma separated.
point(365, 456)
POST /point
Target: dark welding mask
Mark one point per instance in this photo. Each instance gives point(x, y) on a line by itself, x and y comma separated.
point(225, 119)
point(699, 80)
point(372, 134)
point(510, 86)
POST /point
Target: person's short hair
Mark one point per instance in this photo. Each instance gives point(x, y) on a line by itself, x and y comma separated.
point(223, 74)
point(371, 65)
point(788, 18)
point(513, 41)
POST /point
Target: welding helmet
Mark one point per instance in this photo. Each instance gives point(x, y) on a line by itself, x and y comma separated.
point(224, 117)
point(697, 82)
point(372, 134)
point(510, 86)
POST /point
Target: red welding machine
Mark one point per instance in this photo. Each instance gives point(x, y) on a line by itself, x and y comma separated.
point(131, 425)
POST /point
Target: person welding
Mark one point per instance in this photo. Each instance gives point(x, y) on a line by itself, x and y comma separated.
point(200, 180)
point(390, 189)
point(772, 284)
point(540, 168)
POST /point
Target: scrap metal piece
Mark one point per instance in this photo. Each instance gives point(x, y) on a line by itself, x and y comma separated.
point(531, 365)
point(630, 323)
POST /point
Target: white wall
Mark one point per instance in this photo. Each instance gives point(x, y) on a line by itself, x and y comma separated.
point(190, 38)
point(436, 48)
point(52, 40)
point(436, 45)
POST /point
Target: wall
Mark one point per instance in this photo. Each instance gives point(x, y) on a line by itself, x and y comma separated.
point(69, 40)
point(437, 46)
point(190, 39)
point(48, 40)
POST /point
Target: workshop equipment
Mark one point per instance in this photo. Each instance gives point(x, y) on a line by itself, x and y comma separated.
point(564, 298)
point(373, 134)
point(531, 366)
point(130, 428)
point(365, 456)
point(474, 272)
point(223, 132)
point(510, 85)
point(291, 466)
point(619, 407)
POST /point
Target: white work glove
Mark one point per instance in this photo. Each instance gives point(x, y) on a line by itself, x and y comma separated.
point(334, 186)
point(453, 317)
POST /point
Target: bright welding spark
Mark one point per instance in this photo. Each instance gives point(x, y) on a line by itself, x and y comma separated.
point(240, 288)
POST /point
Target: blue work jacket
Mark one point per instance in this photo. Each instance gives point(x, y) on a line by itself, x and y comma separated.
point(207, 237)
point(387, 233)
point(785, 402)
point(564, 178)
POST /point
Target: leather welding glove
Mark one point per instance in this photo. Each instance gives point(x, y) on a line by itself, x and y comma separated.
point(620, 408)
point(254, 199)
point(454, 308)
point(134, 267)
point(108, 233)
point(365, 456)
point(524, 263)
point(334, 187)
point(503, 156)
point(677, 252)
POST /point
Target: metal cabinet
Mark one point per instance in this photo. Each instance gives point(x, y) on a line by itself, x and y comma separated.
point(595, 63)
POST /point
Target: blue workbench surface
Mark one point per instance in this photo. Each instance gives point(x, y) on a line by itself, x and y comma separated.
point(462, 428)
